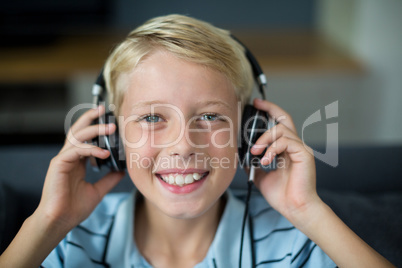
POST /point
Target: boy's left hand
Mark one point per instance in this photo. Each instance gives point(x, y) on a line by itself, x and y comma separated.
point(291, 188)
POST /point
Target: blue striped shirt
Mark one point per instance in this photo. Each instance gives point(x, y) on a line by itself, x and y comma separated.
point(105, 238)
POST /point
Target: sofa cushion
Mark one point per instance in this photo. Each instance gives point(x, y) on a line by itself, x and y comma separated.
point(375, 217)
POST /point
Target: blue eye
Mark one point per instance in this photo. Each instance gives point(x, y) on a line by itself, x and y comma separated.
point(209, 117)
point(151, 118)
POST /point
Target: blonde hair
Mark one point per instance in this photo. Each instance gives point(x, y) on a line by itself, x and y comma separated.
point(187, 38)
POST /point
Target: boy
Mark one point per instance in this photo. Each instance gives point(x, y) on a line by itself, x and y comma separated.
point(176, 83)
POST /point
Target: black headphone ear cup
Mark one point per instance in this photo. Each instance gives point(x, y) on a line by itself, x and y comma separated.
point(254, 123)
point(112, 143)
point(244, 139)
point(117, 157)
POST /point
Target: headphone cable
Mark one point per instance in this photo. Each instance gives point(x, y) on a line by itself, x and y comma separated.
point(249, 185)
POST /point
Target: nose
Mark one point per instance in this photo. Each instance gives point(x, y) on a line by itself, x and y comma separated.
point(188, 142)
point(182, 147)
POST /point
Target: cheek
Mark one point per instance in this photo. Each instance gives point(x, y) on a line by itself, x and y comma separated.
point(133, 135)
point(139, 138)
point(145, 154)
point(140, 154)
point(223, 151)
point(223, 157)
point(224, 138)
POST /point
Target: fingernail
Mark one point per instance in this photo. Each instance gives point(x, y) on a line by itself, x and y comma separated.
point(264, 160)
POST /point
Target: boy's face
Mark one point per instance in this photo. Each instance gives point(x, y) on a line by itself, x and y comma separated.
point(180, 133)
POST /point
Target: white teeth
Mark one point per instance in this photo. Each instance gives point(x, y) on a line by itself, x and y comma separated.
point(189, 178)
point(171, 179)
point(181, 179)
point(196, 176)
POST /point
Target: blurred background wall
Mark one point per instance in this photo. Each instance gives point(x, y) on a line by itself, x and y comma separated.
point(314, 52)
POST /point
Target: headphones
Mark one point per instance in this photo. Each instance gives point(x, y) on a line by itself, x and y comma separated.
point(253, 124)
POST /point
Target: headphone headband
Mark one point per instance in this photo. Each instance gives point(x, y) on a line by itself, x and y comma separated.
point(259, 75)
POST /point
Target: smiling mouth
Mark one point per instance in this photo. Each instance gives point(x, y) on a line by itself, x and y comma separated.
point(181, 179)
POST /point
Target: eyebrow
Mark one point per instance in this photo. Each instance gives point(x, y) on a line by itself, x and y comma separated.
point(146, 103)
point(206, 103)
point(215, 103)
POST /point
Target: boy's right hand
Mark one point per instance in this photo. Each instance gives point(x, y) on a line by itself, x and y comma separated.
point(67, 199)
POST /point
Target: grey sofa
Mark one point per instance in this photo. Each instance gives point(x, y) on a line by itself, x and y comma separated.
point(365, 190)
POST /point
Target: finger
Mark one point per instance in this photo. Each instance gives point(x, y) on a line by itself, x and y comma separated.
point(107, 183)
point(296, 150)
point(275, 112)
point(88, 133)
point(77, 152)
point(86, 119)
point(272, 135)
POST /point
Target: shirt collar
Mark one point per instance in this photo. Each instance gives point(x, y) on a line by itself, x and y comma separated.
point(121, 235)
point(223, 252)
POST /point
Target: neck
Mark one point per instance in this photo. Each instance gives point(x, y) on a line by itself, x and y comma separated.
point(157, 234)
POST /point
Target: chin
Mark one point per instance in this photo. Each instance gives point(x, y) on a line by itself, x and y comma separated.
point(186, 210)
